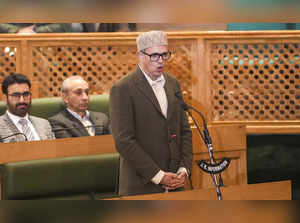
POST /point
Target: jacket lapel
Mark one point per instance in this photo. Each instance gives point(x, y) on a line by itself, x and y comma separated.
point(12, 127)
point(170, 96)
point(99, 129)
point(76, 124)
point(143, 85)
point(39, 129)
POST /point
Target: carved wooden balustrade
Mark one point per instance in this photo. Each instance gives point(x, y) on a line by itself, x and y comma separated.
point(250, 78)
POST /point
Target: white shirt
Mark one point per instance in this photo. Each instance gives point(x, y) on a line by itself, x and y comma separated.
point(160, 80)
point(85, 121)
point(15, 119)
point(159, 91)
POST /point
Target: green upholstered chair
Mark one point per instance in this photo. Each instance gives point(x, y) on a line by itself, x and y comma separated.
point(80, 177)
point(47, 107)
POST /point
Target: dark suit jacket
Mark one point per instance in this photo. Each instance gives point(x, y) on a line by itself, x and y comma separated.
point(65, 119)
point(146, 140)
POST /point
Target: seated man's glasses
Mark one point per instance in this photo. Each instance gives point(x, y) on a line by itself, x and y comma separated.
point(155, 56)
point(18, 95)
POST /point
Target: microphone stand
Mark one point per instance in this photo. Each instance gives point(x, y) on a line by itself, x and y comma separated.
point(207, 140)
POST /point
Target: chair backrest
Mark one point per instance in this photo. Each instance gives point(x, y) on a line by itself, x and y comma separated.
point(80, 177)
point(47, 107)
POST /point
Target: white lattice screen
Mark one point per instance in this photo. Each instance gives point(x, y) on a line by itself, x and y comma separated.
point(250, 78)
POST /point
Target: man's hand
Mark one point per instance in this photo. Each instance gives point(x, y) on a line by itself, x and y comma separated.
point(171, 181)
point(168, 178)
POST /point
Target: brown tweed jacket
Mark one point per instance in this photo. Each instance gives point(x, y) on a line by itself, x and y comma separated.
point(146, 140)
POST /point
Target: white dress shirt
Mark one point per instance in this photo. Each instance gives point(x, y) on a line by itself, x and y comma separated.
point(15, 119)
point(159, 91)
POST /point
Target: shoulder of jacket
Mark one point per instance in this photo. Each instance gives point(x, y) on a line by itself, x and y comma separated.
point(3, 117)
point(35, 118)
point(58, 115)
point(170, 77)
point(95, 113)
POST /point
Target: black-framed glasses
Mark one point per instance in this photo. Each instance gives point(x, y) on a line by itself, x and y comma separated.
point(18, 95)
point(154, 57)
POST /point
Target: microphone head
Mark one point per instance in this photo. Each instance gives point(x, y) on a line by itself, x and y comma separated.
point(178, 95)
point(184, 105)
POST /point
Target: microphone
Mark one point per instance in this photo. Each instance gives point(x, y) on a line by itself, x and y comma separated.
point(211, 168)
point(184, 105)
point(17, 133)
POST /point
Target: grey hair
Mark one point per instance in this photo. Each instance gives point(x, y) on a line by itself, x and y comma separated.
point(66, 84)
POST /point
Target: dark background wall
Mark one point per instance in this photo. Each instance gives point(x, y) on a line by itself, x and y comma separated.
point(274, 158)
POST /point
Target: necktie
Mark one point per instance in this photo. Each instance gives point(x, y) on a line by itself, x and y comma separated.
point(26, 129)
point(161, 96)
point(87, 123)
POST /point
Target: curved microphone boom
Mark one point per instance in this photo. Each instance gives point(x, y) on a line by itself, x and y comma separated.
point(78, 127)
point(17, 133)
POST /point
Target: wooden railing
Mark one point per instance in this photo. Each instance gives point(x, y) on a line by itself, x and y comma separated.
point(250, 78)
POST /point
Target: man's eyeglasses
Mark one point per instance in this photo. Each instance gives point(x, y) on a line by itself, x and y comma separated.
point(154, 57)
point(18, 95)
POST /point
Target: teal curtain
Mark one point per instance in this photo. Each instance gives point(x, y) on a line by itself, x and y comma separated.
point(263, 26)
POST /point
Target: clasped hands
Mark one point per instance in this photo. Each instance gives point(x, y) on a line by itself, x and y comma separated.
point(171, 181)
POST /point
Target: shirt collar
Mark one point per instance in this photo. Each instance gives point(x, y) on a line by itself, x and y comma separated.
point(87, 115)
point(16, 118)
point(160, 80)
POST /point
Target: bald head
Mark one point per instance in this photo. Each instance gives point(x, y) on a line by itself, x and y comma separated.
point(70, 81)
point(75, 91)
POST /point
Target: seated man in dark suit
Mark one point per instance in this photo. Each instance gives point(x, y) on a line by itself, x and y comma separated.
point(76, 120)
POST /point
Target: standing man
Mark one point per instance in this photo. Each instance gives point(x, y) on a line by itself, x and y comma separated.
point(17, 97)
point(149, 126)
point(75, 120)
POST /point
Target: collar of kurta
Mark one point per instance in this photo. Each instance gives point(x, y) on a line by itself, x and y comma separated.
point(159, 81)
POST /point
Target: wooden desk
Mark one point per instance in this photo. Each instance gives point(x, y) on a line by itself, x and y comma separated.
point(228, 141)
point(212, 211)
point(13, 152)
point(265, 191)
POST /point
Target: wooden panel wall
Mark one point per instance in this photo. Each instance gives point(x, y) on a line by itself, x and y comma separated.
point(249, 78)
